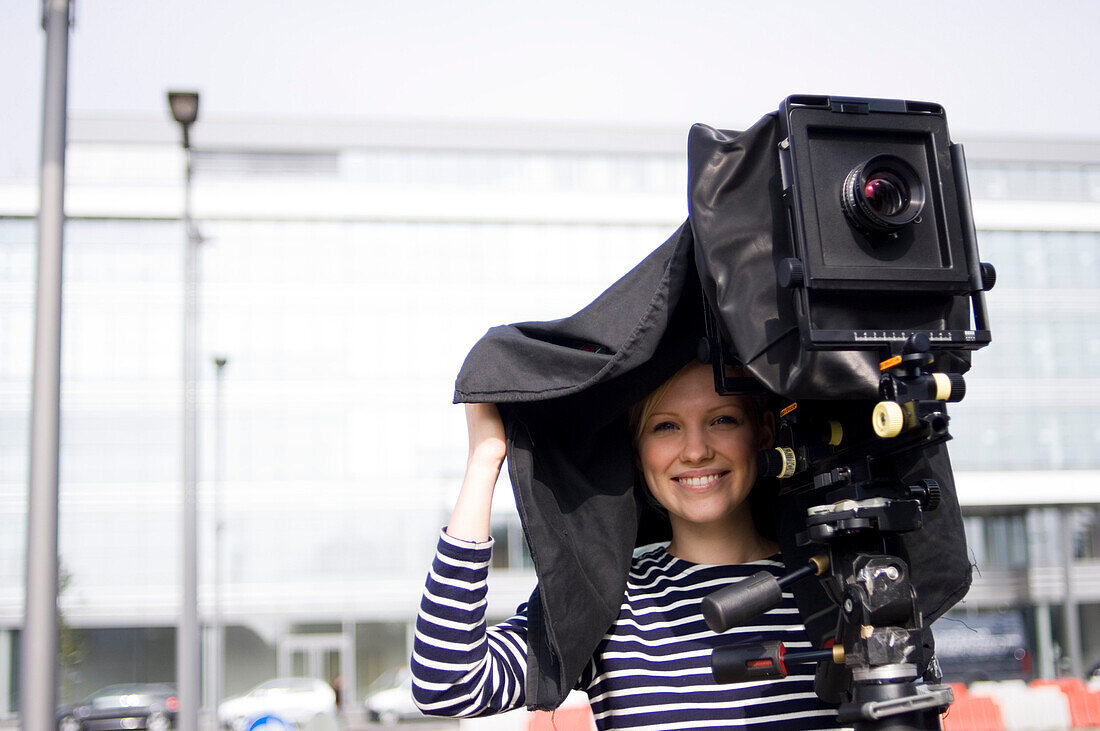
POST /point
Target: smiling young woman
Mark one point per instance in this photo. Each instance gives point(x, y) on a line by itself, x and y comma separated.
point(696, 452)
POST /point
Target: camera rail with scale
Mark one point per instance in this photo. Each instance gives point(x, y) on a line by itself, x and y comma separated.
point(895, 170)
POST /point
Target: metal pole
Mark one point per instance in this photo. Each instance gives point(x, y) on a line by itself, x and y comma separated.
point(1044, 637)
point(348, 680)
point(1070, 617)
point(188, 672)
point(38, 667)
point(5, 672)
point(219, 524)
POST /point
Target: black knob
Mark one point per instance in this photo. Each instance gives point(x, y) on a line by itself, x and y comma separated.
point(934, 494)
point(791, 273)
point(989, 275)
point(958, 388)
point(918, 342)
point(928, 492)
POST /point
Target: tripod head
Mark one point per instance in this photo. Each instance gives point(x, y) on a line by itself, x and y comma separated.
point(858, 507)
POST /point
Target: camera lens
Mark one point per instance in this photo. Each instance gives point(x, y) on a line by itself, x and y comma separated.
point(882, 195)
point(885, 194)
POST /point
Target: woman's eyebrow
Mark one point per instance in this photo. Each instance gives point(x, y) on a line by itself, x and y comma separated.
point(722, 407)
point(725, 407)
point(663, 413)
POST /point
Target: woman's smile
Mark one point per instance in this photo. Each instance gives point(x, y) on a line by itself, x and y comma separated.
point(700, 480)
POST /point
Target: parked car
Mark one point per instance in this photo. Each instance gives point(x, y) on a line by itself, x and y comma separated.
point(985, 646)
point(304, 703)
point(389, 705)
point(151, 706)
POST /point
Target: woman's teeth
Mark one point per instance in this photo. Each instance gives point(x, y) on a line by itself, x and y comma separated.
point(697, 481)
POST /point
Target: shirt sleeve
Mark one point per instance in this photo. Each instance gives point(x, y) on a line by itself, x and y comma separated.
point(461, 668)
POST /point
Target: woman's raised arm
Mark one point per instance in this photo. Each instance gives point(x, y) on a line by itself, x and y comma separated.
point(459, 667)
point(470, 518)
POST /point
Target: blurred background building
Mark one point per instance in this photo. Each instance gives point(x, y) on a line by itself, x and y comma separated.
point(347, 268)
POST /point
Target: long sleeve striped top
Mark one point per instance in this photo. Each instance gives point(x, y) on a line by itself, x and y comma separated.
point(650, 671)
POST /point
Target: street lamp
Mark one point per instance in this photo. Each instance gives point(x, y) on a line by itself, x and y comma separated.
point(184, 106)
point(220, 362)
point(185, 110)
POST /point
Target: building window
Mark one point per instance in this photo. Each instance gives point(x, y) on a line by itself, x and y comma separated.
point(510, 547)
point(997, 541)
point(1085, 524)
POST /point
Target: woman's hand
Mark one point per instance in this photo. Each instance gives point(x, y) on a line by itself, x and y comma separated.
point(470, 519)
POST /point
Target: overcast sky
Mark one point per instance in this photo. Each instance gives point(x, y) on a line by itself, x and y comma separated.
point(1005, 67)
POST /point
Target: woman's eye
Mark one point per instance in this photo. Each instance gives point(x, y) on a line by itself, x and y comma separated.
point(727, 420)
point(663, 426)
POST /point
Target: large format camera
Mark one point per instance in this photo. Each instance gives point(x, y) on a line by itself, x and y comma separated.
point(865, 307)
point(831, 251)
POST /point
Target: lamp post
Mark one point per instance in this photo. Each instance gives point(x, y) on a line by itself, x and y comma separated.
point(38, 667)
point(184, 106)
point(220, 362)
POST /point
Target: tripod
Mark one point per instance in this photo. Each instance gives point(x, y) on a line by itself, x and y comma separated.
point(857, 509)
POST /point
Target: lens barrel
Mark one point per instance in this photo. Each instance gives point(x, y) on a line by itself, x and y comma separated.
point(882, 195)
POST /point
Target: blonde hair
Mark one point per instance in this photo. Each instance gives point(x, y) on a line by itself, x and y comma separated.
point(643, 409)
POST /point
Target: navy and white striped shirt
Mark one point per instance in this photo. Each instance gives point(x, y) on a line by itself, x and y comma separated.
point(650, 671)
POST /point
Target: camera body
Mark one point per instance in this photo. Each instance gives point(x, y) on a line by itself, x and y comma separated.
point(880, 228)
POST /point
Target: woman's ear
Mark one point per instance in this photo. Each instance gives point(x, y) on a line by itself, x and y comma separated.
point(767, 431)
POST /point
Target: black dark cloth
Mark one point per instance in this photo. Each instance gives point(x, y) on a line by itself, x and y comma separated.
point(564, 388)
point(563, 399)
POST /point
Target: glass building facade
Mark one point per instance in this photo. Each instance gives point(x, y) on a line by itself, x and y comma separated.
point(345, 275)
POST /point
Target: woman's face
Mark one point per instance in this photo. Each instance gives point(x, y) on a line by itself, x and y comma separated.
point(697, 450)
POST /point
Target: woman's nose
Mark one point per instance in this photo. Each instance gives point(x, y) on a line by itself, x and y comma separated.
point(696, 447)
